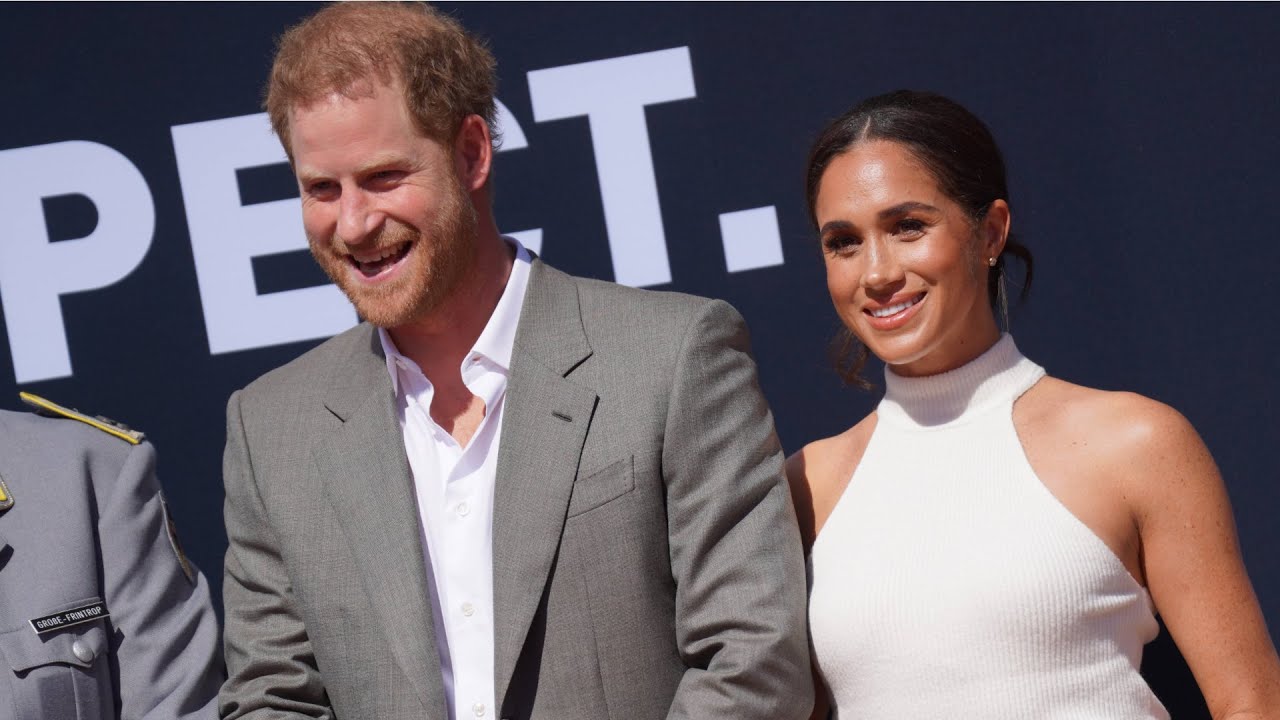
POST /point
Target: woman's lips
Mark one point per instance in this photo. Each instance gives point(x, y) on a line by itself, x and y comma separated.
point(894, 314)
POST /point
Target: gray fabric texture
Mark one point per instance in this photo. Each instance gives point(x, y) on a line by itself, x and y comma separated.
point(646, 558)
point(87, 525)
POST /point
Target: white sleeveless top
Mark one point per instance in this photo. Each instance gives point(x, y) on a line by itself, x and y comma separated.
point(949, 582)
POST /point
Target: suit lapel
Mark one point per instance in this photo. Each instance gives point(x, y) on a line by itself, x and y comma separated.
point(545, 424)
point(367, 476)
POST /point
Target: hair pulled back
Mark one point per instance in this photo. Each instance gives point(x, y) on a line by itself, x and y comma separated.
point(957, 149)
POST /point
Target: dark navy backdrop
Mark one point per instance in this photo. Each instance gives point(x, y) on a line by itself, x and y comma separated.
point(1141, 143)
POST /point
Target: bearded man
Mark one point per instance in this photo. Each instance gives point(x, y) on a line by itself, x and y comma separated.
point(509, 492)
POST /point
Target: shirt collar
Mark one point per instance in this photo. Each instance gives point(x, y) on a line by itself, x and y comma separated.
point(498, 338)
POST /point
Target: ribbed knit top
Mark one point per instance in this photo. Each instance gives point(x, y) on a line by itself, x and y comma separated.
point(949, 582)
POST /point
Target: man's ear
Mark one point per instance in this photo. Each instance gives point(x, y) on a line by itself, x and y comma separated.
point(995, 229)
point(473, 153)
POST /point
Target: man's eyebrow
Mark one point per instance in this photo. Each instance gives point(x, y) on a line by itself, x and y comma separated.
point(381, 161)
point(305, 176)
point(377, 162)
point(904, 208)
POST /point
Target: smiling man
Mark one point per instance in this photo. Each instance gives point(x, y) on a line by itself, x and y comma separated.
point(509, 492)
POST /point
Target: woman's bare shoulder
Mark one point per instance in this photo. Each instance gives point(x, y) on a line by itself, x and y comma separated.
point(1136, 438)
point(1123, 419)
point(819, 472)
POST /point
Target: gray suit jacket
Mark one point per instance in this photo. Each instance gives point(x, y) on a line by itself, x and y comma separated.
point(88, 526)
point(646, 558)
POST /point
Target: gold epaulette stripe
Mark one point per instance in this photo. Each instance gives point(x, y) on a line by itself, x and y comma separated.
point(133, 437)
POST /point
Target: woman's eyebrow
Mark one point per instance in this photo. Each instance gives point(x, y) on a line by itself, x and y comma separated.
point(906, 207)
point(835, 225)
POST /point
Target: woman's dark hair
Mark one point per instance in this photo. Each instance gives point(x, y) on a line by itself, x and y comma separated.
point(956, 147)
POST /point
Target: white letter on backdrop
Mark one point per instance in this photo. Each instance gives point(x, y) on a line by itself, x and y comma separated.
point(34, 272)
point(226, 236)
point(612, 94)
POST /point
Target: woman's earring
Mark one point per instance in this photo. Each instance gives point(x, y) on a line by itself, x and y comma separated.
point(991, 261)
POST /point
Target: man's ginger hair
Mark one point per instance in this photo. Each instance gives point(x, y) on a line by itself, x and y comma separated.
point(445, 72)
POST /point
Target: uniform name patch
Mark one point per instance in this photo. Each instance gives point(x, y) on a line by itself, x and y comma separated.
point(67, 618)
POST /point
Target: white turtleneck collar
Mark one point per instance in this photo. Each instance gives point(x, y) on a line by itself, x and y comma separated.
point(995, 377)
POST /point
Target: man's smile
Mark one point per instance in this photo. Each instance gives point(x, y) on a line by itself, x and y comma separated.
point(377, 262)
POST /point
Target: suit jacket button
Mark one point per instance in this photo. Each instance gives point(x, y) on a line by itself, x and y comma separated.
point(82, 651)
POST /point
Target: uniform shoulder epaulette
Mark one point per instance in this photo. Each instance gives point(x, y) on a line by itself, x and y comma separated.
point(106, 425)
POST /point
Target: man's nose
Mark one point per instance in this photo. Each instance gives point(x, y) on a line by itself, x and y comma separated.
point(357, 218)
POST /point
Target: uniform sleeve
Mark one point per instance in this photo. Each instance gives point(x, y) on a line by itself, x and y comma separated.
point(735, 546)
point(271, 665)
point(165, 639)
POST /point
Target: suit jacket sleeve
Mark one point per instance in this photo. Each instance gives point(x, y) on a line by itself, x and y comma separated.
point(166, 640)
point(735, 547)
point(271, 666)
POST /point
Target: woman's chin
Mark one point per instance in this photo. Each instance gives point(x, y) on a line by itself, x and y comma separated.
point(895, 349)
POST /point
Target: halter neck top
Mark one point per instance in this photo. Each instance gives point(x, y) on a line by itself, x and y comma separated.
point(949, 582)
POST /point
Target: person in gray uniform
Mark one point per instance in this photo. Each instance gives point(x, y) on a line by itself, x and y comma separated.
point(101, 615)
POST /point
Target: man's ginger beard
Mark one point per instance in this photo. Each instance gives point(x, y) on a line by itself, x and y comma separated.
point(434, 268)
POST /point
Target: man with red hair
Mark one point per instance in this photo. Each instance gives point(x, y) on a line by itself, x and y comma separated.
point(508, 493)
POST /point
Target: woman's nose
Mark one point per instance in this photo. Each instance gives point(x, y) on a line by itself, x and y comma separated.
point(883, 269)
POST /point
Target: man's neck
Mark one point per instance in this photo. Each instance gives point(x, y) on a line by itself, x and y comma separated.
point(439, 341)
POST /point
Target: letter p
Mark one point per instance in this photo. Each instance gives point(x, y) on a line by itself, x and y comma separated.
point(35, 272)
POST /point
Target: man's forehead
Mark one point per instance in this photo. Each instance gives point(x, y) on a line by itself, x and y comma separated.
point(360, 89)
point(363, 108)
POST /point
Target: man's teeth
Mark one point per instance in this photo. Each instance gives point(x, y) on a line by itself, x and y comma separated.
point(895, 309)
point(382, 255)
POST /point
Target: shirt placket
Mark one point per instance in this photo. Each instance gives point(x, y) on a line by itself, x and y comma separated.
point(470, 612)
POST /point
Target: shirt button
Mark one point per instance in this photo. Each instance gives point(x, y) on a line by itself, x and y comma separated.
point(463, 510)
point(82, 651)
point(478, 709)
point(468, 609)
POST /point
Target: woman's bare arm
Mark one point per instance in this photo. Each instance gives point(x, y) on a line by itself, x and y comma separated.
point(1191, 560)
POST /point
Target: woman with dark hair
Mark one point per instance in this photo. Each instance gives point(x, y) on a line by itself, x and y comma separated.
point(992, 542)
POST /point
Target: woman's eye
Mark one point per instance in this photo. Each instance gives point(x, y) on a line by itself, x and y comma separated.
point(909, 226)
point(841, 244)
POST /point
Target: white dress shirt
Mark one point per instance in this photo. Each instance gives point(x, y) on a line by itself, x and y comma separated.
point(454, 487)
